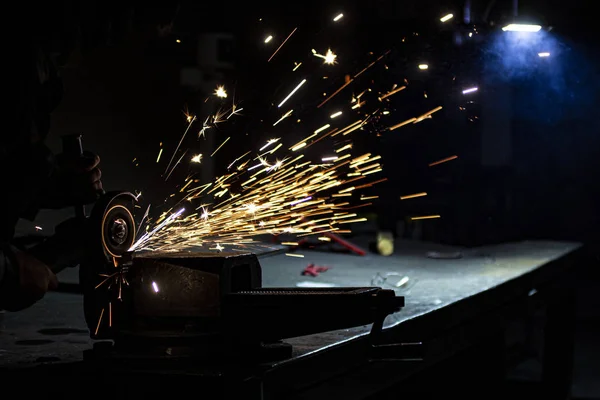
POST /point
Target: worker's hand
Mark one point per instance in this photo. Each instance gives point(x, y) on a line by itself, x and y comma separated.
point(35, 279)
point(76, 181)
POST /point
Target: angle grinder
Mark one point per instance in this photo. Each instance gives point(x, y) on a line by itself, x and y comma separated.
point(109, 231)
point(112, 232)
point(104, 236)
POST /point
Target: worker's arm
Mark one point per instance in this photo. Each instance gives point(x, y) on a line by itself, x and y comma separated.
point(23, 279)
point(9, 275)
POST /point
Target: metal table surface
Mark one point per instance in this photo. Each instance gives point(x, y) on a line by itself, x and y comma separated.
point(53, 331)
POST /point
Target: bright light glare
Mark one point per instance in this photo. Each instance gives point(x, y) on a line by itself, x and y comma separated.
point(423, 66)
point(470, 90)
point(155, 287)
point(446, 18)
point(221, 92)
point(338, 17)
point(268, 39)
point(521, 28)
point(544, 54)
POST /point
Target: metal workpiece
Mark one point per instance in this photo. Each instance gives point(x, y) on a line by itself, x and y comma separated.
point(206, 302)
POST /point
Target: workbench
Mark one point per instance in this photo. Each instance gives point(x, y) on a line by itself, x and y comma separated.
point(452, 304)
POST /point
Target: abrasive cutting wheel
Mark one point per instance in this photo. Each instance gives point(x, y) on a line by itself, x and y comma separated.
point(103, 275)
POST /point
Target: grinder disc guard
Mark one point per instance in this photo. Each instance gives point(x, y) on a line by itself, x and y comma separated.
point(103, 275)
point(118, 228)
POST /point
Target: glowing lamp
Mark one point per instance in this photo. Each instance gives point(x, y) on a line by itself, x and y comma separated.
point(521, 28)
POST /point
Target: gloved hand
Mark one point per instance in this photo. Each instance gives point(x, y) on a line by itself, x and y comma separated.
point(34, 280)
point(74, 182)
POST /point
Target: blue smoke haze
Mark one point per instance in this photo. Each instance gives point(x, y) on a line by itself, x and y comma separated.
point(549, 89)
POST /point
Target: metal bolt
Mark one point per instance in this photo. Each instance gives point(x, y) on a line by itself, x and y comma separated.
point(118, 231)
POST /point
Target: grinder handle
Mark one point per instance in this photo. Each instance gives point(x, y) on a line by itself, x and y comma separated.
point(73, 148)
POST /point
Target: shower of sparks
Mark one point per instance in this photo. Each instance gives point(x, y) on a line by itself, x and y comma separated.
point(291, 93)
point(281, 45)
point(99, 321)
point(425, 217)
point(234, 111)
point(350, 80)
point(427, 115)
point(205, 126)
point(416, 120)
point(413, 196)
point(447, 17)
point(176, 164)
point(443, 160)
point(145, 238)
point(220, 92)
point(338, 17)
point(289, 195)
point(159, 154)
point(237, 159)
point(268, 39)
point(284, 116)
point(321, 129)
point(276, 190)
point(328, 58)
point(392, 92)
point(221, 145)
point(470, 90)
point(269, 143)
point(190, 122)
point(218, 247)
